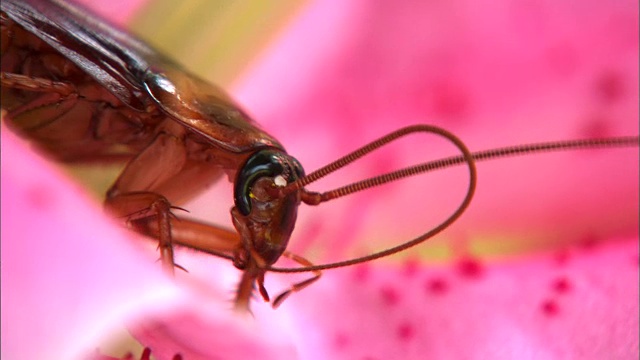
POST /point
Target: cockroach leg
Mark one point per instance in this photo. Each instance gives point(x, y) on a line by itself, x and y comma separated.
point(29, 83)
point(298, 286)
point(263, 291)
point(162, 208)
point(199, 236)
point(246, 286)
point(137, 192)
point(147, 205)
point(53, 93)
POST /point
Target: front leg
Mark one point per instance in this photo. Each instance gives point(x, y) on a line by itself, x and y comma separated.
point(147, 206)
point(298, 286)
point(137, 194)
point(160, 176)
point(203, 237)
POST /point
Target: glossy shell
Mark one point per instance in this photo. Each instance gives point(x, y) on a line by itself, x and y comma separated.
point(125, 89)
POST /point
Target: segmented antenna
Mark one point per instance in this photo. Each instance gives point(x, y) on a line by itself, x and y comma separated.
point(313, 198)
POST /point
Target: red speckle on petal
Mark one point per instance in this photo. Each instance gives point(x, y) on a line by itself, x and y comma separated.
point(562, 257)
point(405, 332)
point(589, 242)
point(470, 268)
point(596, 126)
point(361, 272)
point(40, 197)
point(341, 341)
point(450, 101)
point(437, 286)
point(561, 285)
point(550, 308)
point(609, 86)
point(390, 296)
point(411, 267)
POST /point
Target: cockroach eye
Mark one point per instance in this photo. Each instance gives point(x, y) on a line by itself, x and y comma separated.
point(271, 163)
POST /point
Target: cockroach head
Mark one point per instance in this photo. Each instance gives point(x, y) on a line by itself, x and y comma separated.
point(268, 165)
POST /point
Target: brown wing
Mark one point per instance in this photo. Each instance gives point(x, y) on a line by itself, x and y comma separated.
point(137, 75)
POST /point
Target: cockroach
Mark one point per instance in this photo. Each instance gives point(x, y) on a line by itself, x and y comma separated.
point(88, 92)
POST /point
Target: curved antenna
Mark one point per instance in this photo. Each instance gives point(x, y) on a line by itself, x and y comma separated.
point(313, 198)
point(491, 154)
point(467, 157)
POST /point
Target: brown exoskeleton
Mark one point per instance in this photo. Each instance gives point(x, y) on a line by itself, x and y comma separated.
point(88, 92)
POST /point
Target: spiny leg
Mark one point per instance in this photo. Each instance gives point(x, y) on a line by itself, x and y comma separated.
point(36, 84)
point(196, 235)
point(298, 286)
point(137, 194)
point(193, 234)
point(144, 206)
point(51, 92)
point(245, 288)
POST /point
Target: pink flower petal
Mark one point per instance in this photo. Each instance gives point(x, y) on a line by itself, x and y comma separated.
point(202, 331)
point(526, 308)
point(499, 75)
point(117, 11)
point(69, 275)
point(344, 75)
point(505, 74)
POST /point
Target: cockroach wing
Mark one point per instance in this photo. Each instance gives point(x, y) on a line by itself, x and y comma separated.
point(206, 109)
point(110, 56)
point(137, 74)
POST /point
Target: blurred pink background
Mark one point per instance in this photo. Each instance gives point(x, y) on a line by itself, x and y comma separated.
point(499, 73)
